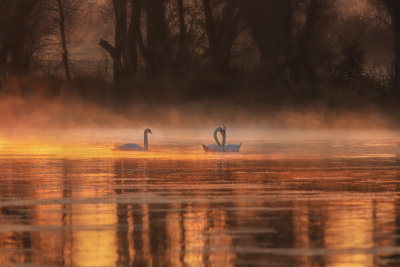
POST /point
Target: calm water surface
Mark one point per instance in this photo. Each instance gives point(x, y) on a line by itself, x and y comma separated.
point(283, 201)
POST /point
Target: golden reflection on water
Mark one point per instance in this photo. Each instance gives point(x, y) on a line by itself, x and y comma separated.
point(93, 247)
point(357, 234)
point(87, 205)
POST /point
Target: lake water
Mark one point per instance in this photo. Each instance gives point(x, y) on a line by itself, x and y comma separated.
point(290, 198)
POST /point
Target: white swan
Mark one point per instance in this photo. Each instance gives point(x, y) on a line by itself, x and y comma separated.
point(215, 147)
point(221, 147)
point(136, 147)
point(229, 147)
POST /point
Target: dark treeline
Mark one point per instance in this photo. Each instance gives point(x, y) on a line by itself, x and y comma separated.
point(294, 52)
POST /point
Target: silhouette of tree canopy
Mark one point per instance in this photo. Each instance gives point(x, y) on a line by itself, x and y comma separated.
point(207, 48)
point(23, 31)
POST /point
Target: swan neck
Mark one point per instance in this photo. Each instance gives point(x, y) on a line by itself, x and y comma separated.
point(146, 142)
point(216, 137)
point(223, 141)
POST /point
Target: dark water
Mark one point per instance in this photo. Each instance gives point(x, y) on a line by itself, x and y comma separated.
point(280, 202)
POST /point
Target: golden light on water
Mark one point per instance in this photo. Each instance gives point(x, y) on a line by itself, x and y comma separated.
point(80, 150)
point(341, 234)
point(95, 246)
point(84, 204)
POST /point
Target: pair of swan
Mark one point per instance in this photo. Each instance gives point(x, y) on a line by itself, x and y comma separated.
point(208, 148)
point(221, 147)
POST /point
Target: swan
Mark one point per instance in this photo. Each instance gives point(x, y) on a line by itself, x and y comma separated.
point(136, 147)
point(215, 147)
point(229, 147)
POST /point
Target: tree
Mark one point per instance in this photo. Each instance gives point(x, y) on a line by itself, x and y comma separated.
point(183, 49)
point(271, 28)
point(124, 51)
point(158, 43)
point(288, 35)
point(306, 40)
point(61, 7)
point(393, 7)
point(23, 33)
point(65, 13)
point(222, 32)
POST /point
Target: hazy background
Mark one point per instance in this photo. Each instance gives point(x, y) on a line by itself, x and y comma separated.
point(131, 63)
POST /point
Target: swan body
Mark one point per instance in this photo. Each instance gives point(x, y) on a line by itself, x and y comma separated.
point(232, 147)
point(215, 147)
point(212, 148)
point(229, 147)
point(130, 146)
point(221, 147)
point(136, 147)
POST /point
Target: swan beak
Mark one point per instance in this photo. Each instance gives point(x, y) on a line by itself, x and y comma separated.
point(150, 132)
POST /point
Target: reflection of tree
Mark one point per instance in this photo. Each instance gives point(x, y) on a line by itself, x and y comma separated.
point(157, 234)
point(394, 258)
point(122, 216)
point(169, 234)
point(146, 242)
point(316, 232)
point(139, 259)
point(221, 170)
point(66, 219)
point(122, 237)
point(15, 185)
point(220, 205)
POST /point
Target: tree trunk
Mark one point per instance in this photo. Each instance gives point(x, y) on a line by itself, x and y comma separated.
point(137, 12)
point(211, 33)
point(132, 41)
point(271, 29)
point(287, 36)
point(119, 44)
point(127, 40)
point(63, 41)
point(159, 54)
point(396, 78)
point(117, 66)
point(306, 54)
point(116, 57)
point(221, 35)
point(183, 51)
point(393, 6)
point(227, 34)
point(119, 52)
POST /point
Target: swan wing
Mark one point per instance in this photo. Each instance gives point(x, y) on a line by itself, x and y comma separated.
point(232, 147)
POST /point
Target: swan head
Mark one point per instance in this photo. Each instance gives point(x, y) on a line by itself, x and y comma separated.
point(223, 130)
point(147, 130)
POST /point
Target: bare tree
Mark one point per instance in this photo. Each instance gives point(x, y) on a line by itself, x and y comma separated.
point(61, 20)
point(305, 40)
point(159, 57)
point(120, 37)
point(23, 33)
point(183, 49)
point(65, 15)
point(393, 8)
point(222, 31)
point(271, 28)
point(126, 33)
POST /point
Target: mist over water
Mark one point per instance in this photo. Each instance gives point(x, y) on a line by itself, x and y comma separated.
point(306, 188)
point(68, 125)
point(63, 112)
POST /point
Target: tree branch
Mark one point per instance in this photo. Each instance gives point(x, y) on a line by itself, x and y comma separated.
point(109, 48)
